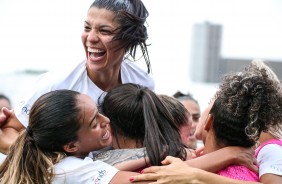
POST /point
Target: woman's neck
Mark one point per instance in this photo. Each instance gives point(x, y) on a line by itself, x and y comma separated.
point(211, 144)
point(106, 79)
point(265, 136)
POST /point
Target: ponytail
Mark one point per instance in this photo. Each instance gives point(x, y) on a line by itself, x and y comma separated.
point(26, 163)
point(162, 137)
point(138, 113)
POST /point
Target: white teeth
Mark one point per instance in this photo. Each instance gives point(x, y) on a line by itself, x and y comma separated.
point(94, 50)
point(106, 135)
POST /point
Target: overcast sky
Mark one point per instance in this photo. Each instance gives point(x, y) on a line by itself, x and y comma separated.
point(43, 34)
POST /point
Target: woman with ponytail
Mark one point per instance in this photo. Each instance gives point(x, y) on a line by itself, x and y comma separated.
point(114, 31)
point(147, 125)
point(64, 126)
point(139, 119)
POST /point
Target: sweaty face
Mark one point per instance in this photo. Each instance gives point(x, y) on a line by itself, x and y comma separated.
point(99, 30)
point(94, 132)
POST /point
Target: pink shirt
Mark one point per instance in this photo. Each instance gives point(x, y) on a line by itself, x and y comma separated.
point(239, 172)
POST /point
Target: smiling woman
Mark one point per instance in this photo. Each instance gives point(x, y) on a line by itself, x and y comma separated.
point(113, 30)
point(64, 127)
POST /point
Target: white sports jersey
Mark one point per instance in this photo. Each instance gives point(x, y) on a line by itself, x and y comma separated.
point(78, 80)
point(72, 170)
point(269, 157)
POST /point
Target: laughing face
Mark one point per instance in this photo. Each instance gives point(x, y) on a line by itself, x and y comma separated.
point(101, 52)
point(94, 132)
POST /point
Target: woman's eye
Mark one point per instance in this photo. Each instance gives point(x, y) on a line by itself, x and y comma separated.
point(94, 125)
point(106, 32)
point(87, 28)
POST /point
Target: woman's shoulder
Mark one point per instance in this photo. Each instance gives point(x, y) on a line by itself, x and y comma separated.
point(74, 164)
point(74, 170)
point(270, 150)
point(65, 76)
point(132, 73)
point(273, 145)
point(71, 163)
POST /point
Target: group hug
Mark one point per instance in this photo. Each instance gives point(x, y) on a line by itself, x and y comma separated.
point(102, 121)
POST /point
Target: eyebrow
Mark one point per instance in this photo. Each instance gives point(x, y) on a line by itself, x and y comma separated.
point(94, 117)
point(101, 26)
point(196, 114)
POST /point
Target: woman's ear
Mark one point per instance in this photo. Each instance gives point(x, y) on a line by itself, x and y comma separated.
point(71, 147)
point(209, 122)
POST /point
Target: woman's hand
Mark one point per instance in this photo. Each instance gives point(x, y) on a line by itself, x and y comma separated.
point(178, 172)
point(5, 114)
point(10, 128)
point(8, 119)
point(174, 171)
point(245, 157)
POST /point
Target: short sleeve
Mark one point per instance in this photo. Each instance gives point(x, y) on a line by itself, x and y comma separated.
point(86, 172)
point(270, 160)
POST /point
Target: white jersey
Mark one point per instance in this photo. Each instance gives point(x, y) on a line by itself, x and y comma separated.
point(72, 170)
point(269, 158)
point(78, 80)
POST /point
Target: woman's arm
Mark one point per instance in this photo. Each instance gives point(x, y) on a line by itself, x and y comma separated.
point(271, 179)
point(131, 165)
point(10, 128)
point(123, 177)
point(221, 158)
point(269, 159)
point(178, 172)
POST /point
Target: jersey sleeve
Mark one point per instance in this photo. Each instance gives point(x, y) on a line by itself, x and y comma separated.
point(22, 109)
point(270, 160)
point(85, 172)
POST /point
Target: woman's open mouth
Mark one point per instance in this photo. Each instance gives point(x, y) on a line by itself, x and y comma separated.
point(106, 135)
point(95, 54)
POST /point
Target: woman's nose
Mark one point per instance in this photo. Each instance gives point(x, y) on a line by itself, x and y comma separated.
point(93, 36)
point(104, 121)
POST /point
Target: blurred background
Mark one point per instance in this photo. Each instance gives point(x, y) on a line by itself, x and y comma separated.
point(193, 43)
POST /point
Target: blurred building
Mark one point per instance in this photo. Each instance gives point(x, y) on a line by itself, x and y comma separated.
point(207, 64)
point(205, 55)
point(236, 65)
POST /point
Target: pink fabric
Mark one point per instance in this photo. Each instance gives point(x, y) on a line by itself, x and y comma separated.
point(239, 172)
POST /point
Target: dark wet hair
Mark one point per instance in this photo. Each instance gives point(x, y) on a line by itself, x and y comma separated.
point(138, 113)
point(54, 119)
point(179, 113)
point(246, 104)
point(132, 32)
